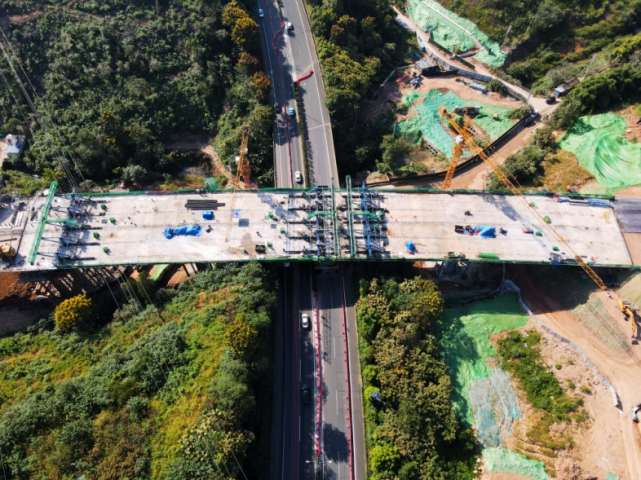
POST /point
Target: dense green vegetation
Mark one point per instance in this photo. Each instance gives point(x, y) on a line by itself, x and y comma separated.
point(358, 45)
point(117, 79)
point(549, 34)
point(180, 395)
point(411, 429)
point(598, 93)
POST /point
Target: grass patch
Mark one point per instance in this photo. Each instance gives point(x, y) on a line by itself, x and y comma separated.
point(183, 182)
point(23, 183)
point(523, 359)
point(562, 169)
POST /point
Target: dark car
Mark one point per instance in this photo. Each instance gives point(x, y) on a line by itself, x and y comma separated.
point(550, 100)
point(305, 395)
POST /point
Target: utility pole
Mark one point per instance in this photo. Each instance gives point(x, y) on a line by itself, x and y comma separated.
point(589, 66)
point(509, 29)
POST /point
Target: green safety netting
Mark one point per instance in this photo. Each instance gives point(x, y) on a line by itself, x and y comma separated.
point(410, 98)
point(430, 125)
point(465, 336)
point(612, 476)
point(453, 32)
point(599, 144)
point(500, 460)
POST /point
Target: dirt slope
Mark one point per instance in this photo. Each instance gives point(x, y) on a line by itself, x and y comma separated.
point(622, 370)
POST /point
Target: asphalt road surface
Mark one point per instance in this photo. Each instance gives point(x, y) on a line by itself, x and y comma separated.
point(336, 435)
point(294, 439)
point(288, 154)
point(290, 55)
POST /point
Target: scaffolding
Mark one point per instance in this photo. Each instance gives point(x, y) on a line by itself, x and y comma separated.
point(320, 220)
point(364, 208)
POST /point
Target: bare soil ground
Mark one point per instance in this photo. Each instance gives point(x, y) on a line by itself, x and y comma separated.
point(633, 131)
point(194, 142)
point(612, 442)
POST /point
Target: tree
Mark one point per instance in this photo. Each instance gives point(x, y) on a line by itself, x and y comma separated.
point(497, 86)
point(232, 13)
point(245, 34)
point(547, 17)
point(133, 174)
point(71, 312)
point(393, 149)
point(384, 458)
point(544, 138)
point(261, 84)
point(242, 337)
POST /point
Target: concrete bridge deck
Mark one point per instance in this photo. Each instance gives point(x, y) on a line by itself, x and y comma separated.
point(281, 221)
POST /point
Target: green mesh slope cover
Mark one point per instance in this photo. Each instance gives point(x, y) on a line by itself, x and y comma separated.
point(495, 406)
point(410, 130)
point(598, 143)
point(612, 476)
point(465, 336)
point(410, 98)
point(434, 128)
point(500, 460)
point(448, 29)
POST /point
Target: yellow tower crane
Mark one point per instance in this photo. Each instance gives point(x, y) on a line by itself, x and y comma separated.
point(457, 152)
point(242, 173)
point(469, 140)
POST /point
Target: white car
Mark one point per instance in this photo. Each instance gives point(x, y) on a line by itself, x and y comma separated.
point(298, 177)
point(304, 321)
point(261, 14)
point(290, 26)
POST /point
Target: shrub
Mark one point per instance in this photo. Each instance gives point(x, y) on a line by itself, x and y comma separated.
point(71, 312)
point(497, 86)
point(571, 385)
point(585, 389)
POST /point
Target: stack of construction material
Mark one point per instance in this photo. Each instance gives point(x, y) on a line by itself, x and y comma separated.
point(203, 204)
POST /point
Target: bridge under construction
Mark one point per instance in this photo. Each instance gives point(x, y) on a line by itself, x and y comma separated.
point(321, 223)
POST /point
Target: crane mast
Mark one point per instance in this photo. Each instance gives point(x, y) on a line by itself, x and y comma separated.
point(469, 140)
point(241, 174)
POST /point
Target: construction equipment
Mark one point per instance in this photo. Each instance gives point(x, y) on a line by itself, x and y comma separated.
point(627, 309)
point(457, 151)
point(7, 250)
point(241, 173)
point(469, 140)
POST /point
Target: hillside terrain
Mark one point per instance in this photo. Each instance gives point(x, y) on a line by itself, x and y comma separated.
point(114, 82)
point(175, 393)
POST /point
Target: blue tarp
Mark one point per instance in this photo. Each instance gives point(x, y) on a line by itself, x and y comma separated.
point(410, 246)
point(193, 230)
point(208, 215)
point(485, 231)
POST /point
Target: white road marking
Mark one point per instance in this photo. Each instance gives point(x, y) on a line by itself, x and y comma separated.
point(317, 89)
point(334, 346)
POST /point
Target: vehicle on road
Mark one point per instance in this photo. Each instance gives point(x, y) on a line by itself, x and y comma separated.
point(298, 177)
point(305, 321)
point(291, 111)
point(305, 395)
point(550, 100)
point(290, 26)
point(261, 14)
point(531, 117)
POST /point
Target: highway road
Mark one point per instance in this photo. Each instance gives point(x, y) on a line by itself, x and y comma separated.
point(297, 439)
point(294, 439)
point(290, 55)
point(336, 438)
